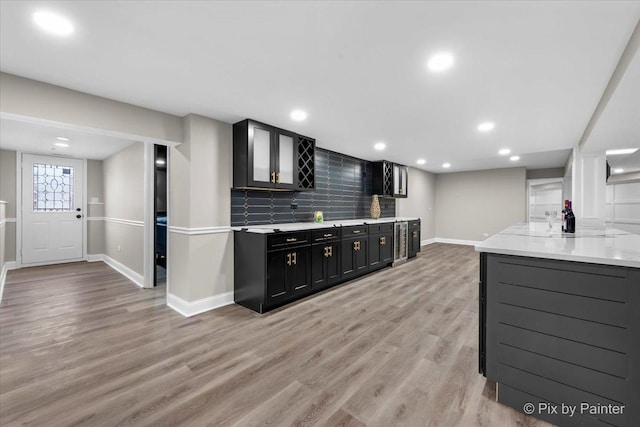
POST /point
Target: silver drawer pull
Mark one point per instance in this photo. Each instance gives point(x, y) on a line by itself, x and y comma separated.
point(278, 294)
point(300, 287)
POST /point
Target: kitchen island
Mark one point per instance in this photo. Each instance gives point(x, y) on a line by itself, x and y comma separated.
point(560, 323)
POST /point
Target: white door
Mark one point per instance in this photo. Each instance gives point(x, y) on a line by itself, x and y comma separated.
point(52, 209)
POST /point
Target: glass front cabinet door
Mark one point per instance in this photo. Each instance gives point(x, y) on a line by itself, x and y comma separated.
point(400, 180)
point(264, 156)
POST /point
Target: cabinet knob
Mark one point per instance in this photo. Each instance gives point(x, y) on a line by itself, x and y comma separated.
point(383, 241)
point(273, 177)
point(278, 178)
point(295, 258)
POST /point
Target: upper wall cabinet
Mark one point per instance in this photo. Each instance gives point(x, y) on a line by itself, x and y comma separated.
point(271, 158)
point(390, 179)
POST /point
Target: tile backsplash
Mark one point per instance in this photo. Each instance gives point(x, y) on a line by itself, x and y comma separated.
point(343, 191)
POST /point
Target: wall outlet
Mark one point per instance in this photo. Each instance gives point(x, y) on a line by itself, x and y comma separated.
point(119, 248)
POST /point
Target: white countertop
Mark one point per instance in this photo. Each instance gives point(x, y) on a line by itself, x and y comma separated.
point(598, 245)
point(299, 226)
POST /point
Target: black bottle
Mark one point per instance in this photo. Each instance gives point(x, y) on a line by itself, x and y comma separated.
point(571, 220)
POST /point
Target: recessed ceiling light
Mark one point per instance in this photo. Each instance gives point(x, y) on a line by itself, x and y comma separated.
point(380, 146)
point(486, 126)
point(504, 151)
point(61, 144)
point(440, 62)
point(621, 151)
point(160, 162)
point(514, 158)
point(618, 170)
point(298, 115)
point(446, 165)
point(53, 23)
point(421, 161)
point(62, 138)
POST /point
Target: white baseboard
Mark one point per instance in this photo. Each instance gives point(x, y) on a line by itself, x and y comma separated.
point(119, 267)
point(427, 242)
point(95, 257)
point(189, 309)
point(9, 265)
point(458, 241)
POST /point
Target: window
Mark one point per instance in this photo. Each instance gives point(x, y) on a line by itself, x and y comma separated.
point(52, 188)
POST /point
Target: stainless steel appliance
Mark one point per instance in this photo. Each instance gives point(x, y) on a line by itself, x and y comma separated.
point(400, 242)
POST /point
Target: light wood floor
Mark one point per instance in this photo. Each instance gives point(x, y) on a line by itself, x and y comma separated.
point(81, 345)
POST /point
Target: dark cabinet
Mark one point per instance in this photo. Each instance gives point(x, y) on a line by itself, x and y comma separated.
point(325, 258)
point(271, 158)
point(390, 179)
point(272, 269)
point(287, 274)
point(354, 251)
point(380, 245)
point(414, 238)
point(325, 265)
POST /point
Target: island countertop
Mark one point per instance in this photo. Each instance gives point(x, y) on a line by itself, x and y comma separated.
point(299, 226)
point(598, 245)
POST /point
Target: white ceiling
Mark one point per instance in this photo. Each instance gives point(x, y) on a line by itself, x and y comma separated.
point(537, 69)
point(38, 138)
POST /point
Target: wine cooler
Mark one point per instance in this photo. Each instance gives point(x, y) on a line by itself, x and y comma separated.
point(400, 242)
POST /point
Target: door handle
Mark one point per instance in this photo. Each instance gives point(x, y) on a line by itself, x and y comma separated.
point(356, 245)
point(278, 178)
point(288, 259)
point(78, 216)
point(273, 177)
point(330, 250)
point(414, 234)
point(295, 258)
point(383, 241)
point(326, 251)
point(78, 209)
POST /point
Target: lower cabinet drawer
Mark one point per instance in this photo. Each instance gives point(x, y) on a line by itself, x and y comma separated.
point(386, 227)
point(325, 234)
point(354, 231)
point(285, 240)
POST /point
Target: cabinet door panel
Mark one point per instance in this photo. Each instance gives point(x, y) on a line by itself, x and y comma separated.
point(319, 274)
point(396, 179)
point(386, 250)
point(333, 263)
point(261, 153)
point(361, 257)
point(414, 241)
point(300, 271)
point(277, 269)
point(347, 256)
point(286, 159)
point(374, 251)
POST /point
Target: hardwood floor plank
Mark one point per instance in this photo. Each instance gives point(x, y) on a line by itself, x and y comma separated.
point(80, 345)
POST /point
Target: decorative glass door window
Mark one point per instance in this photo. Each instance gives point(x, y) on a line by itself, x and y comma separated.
point(52, 188)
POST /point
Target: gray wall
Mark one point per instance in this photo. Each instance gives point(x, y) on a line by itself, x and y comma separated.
point(469, 204)
point(200, 176)
point(123, 183)
point(545, 173)
point(421, 201)
point(40, 100)
point(8, 194)
point(95, 227)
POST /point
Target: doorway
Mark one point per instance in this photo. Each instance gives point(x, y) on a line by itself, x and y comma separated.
point(52, 220)
point(544, 195)
point(160, 214)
